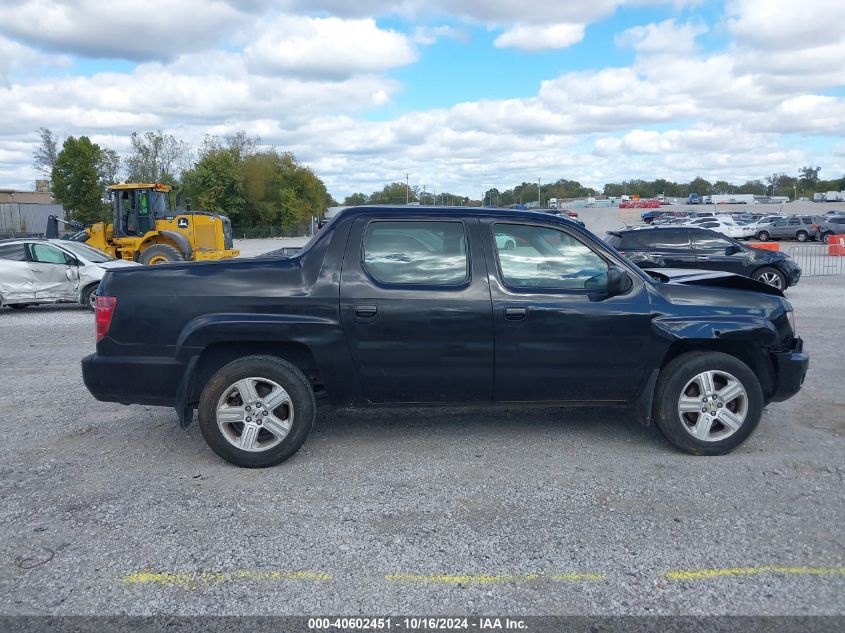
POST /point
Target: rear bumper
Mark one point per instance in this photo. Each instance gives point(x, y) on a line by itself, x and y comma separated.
point(791, 368)
point(133, 380)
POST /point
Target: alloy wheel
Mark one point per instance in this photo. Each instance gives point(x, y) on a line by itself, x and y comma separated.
point(713, 406)
point(255, 414)
point(772, 279)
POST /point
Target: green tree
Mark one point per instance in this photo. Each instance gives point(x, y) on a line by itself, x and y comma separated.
point(216, 181)
point(356, 199)
point(809, 175)
point(157, 157)
point(80, 175)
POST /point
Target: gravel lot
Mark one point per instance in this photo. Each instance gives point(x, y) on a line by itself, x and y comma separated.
point(111, 509)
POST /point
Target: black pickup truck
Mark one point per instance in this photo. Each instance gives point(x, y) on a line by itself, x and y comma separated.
point(440, 306)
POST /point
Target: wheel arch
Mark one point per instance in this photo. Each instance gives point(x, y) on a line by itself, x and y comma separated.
point(170, 238)
point(749, 352)
point(217, 355)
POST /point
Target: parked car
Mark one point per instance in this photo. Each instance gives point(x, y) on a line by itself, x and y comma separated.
point(831, 225)
point(723, 225)
point(689, 247)
point(446, 317)
point(35, 271)
point(650, 216)
point(505, 241)
point(793, 227)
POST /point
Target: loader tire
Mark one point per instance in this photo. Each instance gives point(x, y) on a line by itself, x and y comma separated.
point(160, 254)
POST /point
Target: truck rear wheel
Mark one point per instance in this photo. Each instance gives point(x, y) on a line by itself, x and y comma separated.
point(160, 254)
point(257, 411)
point(707, 403)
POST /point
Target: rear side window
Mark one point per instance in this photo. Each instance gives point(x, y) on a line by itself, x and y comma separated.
point(635, 240)
point(13, 252)
point(837, 221)
point(416, 253)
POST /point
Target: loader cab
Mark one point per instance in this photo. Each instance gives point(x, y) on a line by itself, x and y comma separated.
point(137, 207)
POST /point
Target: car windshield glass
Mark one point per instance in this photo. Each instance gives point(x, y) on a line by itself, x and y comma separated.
point(87, 253)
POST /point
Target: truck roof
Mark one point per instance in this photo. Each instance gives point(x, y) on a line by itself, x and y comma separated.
point(408, 211)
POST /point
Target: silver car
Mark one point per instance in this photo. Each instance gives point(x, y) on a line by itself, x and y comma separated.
point(34, 271)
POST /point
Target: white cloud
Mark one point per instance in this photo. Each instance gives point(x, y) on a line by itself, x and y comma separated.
point(662, 36)
point(541, 37)
point(327, 48)
point(128, 29)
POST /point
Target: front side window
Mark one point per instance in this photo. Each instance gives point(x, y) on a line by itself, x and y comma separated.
point(670, 239)
point(711, 242)
point(416, 253)
point(548, 259)
point(45, 254)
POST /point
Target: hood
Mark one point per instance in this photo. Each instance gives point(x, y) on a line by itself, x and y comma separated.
point(117, 263)
point(714, 278)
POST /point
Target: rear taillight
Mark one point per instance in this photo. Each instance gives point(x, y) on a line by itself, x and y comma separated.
point(104, 313)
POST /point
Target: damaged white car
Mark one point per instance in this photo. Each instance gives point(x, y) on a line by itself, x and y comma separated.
point(34, 271)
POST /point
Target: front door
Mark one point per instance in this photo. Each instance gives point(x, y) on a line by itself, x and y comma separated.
point(415, 306)
point(55, 276)
point(714, 252)
point(558, 336)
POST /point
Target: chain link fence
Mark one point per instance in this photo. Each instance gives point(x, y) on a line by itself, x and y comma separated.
point(816, 260)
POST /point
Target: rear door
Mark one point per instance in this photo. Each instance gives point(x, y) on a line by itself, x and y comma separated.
point(55, 275)
point(16, 277)
point(415, 306)
point(558, 337)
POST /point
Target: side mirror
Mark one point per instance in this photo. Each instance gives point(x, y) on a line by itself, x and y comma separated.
point(733, 249)
point(618, 281)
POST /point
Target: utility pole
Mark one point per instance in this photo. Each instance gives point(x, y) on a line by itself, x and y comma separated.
point(539, 195)
point(407, 190)
point(422, 198)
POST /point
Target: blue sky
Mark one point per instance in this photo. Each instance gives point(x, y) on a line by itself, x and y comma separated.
point(596, 91)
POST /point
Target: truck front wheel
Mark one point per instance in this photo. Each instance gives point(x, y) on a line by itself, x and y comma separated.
point(707, 403)
point(160, 254)
point(257, 411)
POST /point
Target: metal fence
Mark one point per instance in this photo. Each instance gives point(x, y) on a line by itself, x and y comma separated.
point(304, 229)
point(19, 219)
point(815, 260)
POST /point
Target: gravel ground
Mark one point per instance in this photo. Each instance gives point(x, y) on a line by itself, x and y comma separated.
point(110, 509)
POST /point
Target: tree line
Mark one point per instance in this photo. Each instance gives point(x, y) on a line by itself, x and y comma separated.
point(232, 174)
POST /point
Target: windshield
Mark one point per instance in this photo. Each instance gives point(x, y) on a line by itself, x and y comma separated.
point(83, 251)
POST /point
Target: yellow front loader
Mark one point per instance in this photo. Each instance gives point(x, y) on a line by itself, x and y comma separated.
point(145, 230)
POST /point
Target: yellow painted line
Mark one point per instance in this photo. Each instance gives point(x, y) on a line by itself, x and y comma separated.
point(187, 578)
point(705, 574)
point(480, 579)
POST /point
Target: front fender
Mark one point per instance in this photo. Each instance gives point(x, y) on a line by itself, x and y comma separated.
point(182, 242)
point(759, 331)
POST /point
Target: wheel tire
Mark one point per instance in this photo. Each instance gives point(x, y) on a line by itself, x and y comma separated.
point(89, 297)
point(826, 238)
point(286, 375)
point(758, 275)
point(670, 385)
point(802, 236)
point(764, 236)
point(160, 254)
point(509, 245)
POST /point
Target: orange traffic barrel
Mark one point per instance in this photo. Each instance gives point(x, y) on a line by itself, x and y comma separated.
point(767, 246)
point(836, 245)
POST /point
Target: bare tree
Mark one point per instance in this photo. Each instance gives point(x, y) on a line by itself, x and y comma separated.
point(44, 156)
point(157, 157)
